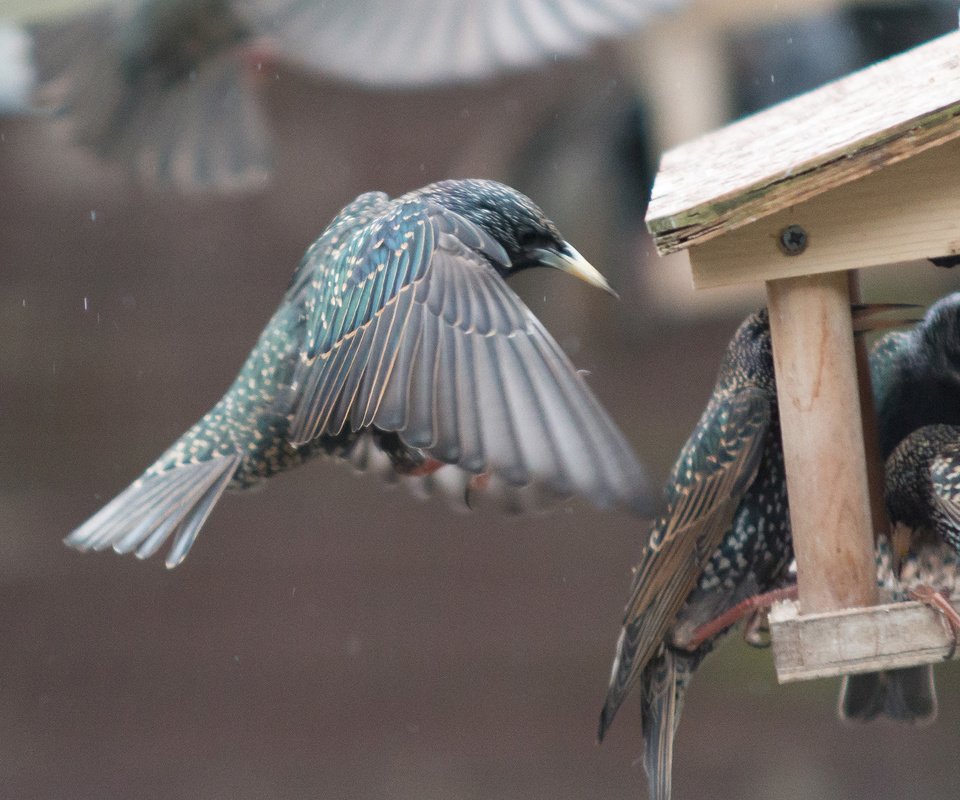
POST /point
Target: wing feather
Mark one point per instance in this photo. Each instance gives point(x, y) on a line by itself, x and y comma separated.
point(422, 336)
point(687, 535)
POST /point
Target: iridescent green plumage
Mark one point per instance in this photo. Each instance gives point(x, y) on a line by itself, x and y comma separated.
point(916, 387)
point(397, 333)
point(724, 536)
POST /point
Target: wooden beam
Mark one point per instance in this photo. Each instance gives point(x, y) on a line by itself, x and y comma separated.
point(791, 152)
point(834, 643)
point(813, 353)
point(907, 212)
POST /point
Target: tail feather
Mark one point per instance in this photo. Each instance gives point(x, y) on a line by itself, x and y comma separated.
point(142, 517)
point(905, 695)
point(665, 681)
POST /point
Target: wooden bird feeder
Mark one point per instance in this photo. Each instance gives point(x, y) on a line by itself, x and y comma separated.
point(859, 173)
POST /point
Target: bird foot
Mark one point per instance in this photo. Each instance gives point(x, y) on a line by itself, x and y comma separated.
point(756, 605)
point(477, 483)
point(427, 467)
point(940, 602)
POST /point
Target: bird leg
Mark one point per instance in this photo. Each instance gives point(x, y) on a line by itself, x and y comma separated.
point(477, 483)
point(759, 602)
point(940, 602)
point(427, 467)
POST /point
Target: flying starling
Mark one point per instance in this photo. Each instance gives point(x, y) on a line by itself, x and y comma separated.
point(916, 387)
point(168, 88)
point(724, 537)
point(399, 334)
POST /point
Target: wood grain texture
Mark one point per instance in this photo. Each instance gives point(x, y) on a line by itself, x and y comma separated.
point(813, 353)
point(906, 212)
point(834, 643)
point(801, 148)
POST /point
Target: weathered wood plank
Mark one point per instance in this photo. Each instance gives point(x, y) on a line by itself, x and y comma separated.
point(835, 643)
point(906, 212)
point(817, 394)
point(799, 149)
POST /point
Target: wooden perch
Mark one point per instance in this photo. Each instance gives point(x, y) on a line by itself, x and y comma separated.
point(856, 640)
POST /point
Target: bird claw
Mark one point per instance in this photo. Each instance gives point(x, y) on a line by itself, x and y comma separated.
point(757, 606)
point(939, 601)
point(477, 483)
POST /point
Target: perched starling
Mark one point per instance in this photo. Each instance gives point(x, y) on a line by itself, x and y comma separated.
point(916, 387)
point(167, 87)
point(725, 536)
point(397, 332)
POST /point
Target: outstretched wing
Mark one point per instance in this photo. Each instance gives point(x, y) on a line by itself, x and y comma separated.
point(442, 41)
point(716, 467)
point(409, 328)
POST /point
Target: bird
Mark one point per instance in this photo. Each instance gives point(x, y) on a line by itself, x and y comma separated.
point(399, 336)
point(723, 537)
point(169, 88)
point(916, 387)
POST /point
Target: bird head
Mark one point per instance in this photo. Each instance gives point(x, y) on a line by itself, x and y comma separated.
point(749, 356)
point(939, 336)
point(518, 224)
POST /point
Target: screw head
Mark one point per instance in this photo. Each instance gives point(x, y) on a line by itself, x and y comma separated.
point(793, 240)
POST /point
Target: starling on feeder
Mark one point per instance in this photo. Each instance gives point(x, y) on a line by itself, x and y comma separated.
point(397, 335)
point(724, 537)
point(916, 387)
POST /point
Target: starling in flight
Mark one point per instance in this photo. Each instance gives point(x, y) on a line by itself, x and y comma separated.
point(398, 332)
point(916, 387)
point(168, 87)
point(724, 537)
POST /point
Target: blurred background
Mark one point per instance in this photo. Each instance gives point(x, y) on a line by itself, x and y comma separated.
point(330, 637)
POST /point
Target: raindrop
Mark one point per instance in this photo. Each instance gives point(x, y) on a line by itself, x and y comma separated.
point(86, 304)
point(93, 215)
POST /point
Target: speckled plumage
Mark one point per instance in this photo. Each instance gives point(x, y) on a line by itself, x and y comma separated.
point(397, 334)
point(725, 536)
point(916, 387)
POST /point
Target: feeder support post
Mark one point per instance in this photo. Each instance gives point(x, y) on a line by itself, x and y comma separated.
point(813, 351)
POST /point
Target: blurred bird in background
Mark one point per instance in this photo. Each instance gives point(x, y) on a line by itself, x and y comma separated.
point(916, 387)
point(725, 535)
point(168, 87)
point(397, 335)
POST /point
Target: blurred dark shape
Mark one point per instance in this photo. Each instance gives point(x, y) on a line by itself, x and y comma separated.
point(166, 87)
point(162, 88)
point(397, 334)
point(916, 386)
point(725, 535)
point(781, 60)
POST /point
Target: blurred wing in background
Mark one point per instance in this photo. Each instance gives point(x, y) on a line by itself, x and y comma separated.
point(166, 87)
point(422, 42)
point(160, 87)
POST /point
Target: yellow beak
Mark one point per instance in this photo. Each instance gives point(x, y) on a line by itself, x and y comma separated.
point(572, 262)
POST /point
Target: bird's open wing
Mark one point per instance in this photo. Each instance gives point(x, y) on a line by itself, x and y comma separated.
point(441, 41)
point(715, 469)
point(409, 328)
